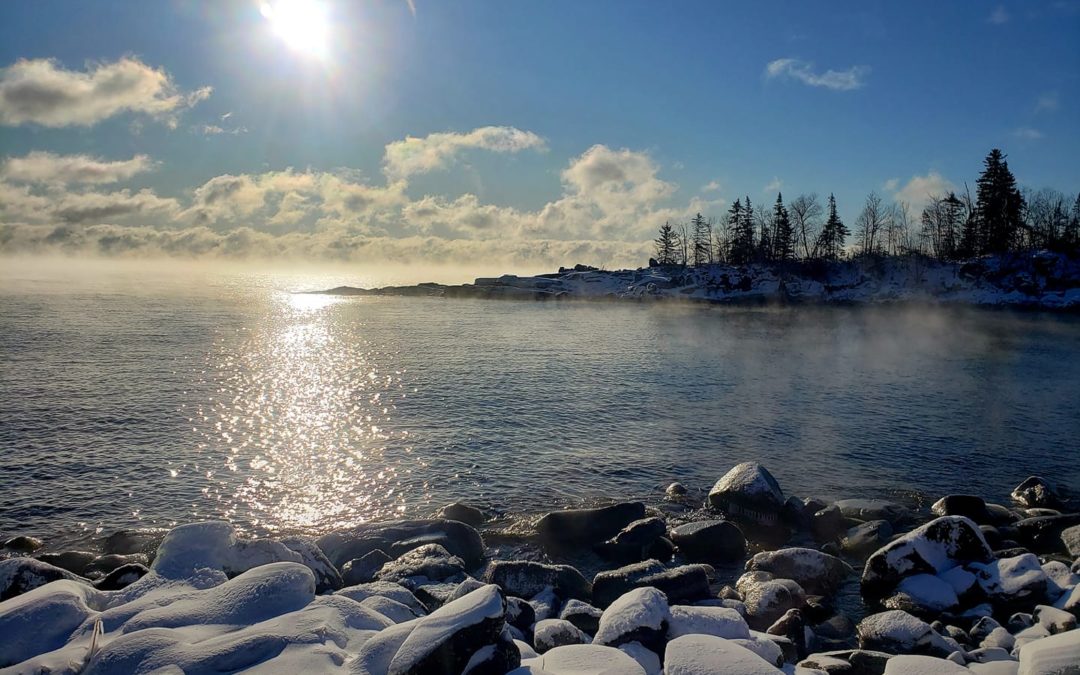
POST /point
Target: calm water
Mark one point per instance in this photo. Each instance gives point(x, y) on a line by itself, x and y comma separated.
point(146, 398)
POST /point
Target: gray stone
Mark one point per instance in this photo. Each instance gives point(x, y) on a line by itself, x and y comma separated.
point(710, 541)
point(587, 527)
point(525, 579)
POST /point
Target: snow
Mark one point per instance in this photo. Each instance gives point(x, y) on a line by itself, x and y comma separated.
point(764, 647)
point(42, 620)
point(646, 658)
point(708, 655)
point(896, 631)
point(551, 633)
point(922, 665)
point(809, 568)
point(215, 545)
point(1055, 655)
point(1011, 578)
point(581, 660)
point(384, 589)
point(718, 621)
point(750, 479)
point(929, 592)
point(439, 626)
point(637, 609)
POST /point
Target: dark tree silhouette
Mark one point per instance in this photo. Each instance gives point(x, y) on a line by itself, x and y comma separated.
point(830, 243)
point(667, 245)
point(783, 244)
point(701, 250)
point(998, 206)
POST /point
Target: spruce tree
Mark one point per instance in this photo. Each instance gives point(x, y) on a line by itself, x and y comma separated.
point(783, 244)
point(667, 245)
point(702, 244)
point(831, 241)
point(742, 239)
point(999, 206)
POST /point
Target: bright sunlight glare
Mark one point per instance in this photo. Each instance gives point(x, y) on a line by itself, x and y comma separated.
point(302, 24)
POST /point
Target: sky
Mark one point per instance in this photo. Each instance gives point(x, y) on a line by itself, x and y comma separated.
point(513, 132)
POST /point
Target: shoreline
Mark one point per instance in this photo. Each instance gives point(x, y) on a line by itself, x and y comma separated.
point(781, 578)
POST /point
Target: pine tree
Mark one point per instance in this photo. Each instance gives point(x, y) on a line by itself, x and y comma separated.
point(742, 239)
point(667, 245)
point(1072, 231)
point(998, 207)
point(702, 243)
point(830, 244)
point(783, 244)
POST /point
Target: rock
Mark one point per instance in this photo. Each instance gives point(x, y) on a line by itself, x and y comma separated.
point(385, 589)
point(701, 654)
point(138, 540)
point(641, 615)
point(1043, 533)
point(681, 584)
point(102, 565)
point(924, 594)
point(581, 614)
point(662, 549)
point(898, 632)
point(469, 630)
point(551, 633)
point(525, 579)
point(1059, 578)
point(1056, 655)
point(709, 541)
point(767, 601)
point(792, 626)
point(982, 628)
point(466, 586)
point(1011, 580)
point(215, 545)
point(22, 544)
point(121, 577)
point(402, 536)
point(828, 523)
point(645, 657)
point(520, 614)
point(20, 575)
point(430, 560)
point(913, 664)
point(1053, 619)
point(587, 527)
point(999, 638)
point(631, 543)
point(1035, 492)
point(327, 578)
point(773, 649)
point(865, 538)
point(749, 494)
point(392, 609)
point(72, 561)
point(582, 660)
point(1019, 621)
point(1070, 601)
point(463, 513)
point(1070, 537)
point(935, 547)
point(675, 490)
point(363, 570)
point(874, 509)
point(1036, 632)
point(969, 506)
point(433, 594)
point(813, 570)
point(837, 627)
point(719, 621)
point(848, 661)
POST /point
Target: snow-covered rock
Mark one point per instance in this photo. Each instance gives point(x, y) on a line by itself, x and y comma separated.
point(924, 593)
point(641, 615)
point(1010, 580)
point(1054, 620)
point(898, 632)
point(551, 633)
point(431, 561)
point(709, 655)
point(581, 614)
point(581, 660)
point(748, 493)
point(910, 664)
point(1035, 492)
point(645, 657)
point(20, 575)
point(718, 621)
point(767, 600)
point(1056, 655)
point(43, 618)
point(524, 579)
point(685, 583)
point(215, 545)
point(398, 537)
point(813, 570)
point(385, 589)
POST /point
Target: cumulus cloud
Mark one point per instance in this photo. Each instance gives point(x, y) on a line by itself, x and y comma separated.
point(49, 168)
point(435, 151)
point(1028, 134)
point(41, 91)
point(837, 80)
point(916, 193)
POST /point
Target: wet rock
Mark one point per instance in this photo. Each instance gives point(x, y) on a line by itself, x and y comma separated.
point(102, 565)
point(137, 540)
point(525, 579)
point(813, 570)
point(581, 614)
point(1043, 533)
point(20, 575)
point(22, 544)
point(1019, 621)
point(463, 513)
point(1035, 492)
point(792, 626)
point(327, 577)
point(72, 561)
point(749, 494)
point(641, 615)
point(866, 538)
point(874, 509)
point(363, 570)
point(828, 524)
point(969, 506)
point(121, 577)
point(402, 536)
point(992, 535)
point(551, 633)
point(897, 632)
point(710, 541)
point(698, 654)
point(719, 621)
point(686, 583)
point(1011, 580)
point(587, 527)
point(662, 549)
point(933, 548)
point(1056, 655)
point(675, 490)
point(632, 542)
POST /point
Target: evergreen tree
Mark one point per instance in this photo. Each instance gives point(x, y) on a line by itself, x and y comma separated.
point(765, 239)
point(1072, 231)
point(742, 239)
point(998, 206)
point(667, 245)
point(702, 243)
point(783, 244)
point(830, 244)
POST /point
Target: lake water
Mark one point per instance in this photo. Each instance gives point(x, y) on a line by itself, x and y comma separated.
point(144, 396)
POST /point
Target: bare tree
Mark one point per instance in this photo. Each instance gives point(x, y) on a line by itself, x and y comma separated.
point(683, 231)
point(806, 217)
point(869, 225)
point(898, 229)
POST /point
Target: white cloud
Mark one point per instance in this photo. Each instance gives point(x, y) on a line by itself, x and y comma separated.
point(774, 185)
point(891, 184)
point(999, 16)
point(40, 91)
point(712, 186)
point(916, 193)
point(215, 130)
point(435, 151)
point(1048, 102)
point(1028, 134)
point(837, 80)
point(46, 167)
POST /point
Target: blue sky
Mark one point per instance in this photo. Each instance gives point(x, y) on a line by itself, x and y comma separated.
point(609, 116)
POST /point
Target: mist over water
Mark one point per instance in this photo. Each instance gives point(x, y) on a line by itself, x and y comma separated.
point(148, 395)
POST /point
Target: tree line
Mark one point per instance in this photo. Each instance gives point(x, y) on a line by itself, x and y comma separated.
point(1000, 218)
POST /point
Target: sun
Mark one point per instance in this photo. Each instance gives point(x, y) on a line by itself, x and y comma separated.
point(302, 24)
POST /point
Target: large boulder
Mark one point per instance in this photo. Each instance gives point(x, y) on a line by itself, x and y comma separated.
point(431, 561)
point(749, 494)
point(719, 621)
point(524, 579)
point(1036, 492)
point(1019, 580)
point(1043, 533)
point(633, 542)
point(710, 541)
point(1055, 655)
point(402, 536)
point(587, 527)
point(935, 547)
point(551, 633)
point(686, 583)
point(700, 654)
point(581, 660)
point(813, 570)
point(463, 513)
point(863, 539)
point(897, 632)
point(915, 664)
point(20, 575)
point(641, 615)
point(969, 506)
point(216, 545)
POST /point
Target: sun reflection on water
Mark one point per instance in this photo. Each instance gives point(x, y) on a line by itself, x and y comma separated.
point(297, 434)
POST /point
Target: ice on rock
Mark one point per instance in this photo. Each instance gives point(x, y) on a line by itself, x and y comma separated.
point(709, 655)
point(215, 545)
point(43, 619)
point(922, 665)
point(582, 660)
point(641, 615)
point(551, 633)
point(748, 492)
point(719, 621)
point(20, 575)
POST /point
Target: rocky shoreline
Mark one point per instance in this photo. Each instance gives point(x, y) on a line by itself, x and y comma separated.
point(1041, 281)
point(752, 581)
